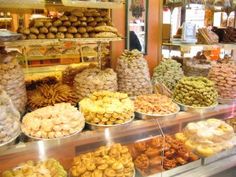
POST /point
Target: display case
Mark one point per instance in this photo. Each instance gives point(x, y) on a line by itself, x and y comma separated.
point(64, 150)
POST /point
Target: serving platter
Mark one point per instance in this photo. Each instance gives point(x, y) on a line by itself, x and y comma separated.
point(187, 108)
point(92, 126)
point(141, 115)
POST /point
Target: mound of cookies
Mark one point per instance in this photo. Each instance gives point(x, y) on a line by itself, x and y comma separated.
point(168, 72)
point(224, 77)
point(208, 137)
point(196, 92)
point(12, 81)
point(49, 168)
point(107, 108)
point(148, 155)
point(92, 80)
point(155, 104)
point(9, 119)
point(50, 94)
point(68, 75)
point(51, 122)
point(104, 161)
point(133, 74)
point(79, 23)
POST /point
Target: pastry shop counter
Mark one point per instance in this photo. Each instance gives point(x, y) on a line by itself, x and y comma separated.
point(66, 149)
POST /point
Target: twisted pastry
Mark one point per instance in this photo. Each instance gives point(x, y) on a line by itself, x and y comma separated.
point(45, 95)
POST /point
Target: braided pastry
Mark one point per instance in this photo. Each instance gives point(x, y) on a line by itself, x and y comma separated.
point(45, 95)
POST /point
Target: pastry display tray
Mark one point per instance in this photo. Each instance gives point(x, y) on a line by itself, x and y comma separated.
point(197, 109)
point(140, 115)
point(177, 170)
point(218, 156)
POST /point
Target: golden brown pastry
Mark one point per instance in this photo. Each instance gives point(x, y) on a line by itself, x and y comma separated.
point(85, 35)
point(34, 30)
point(62, 29)
point(57, 23)
point(69, 35)
point(78, 35)
point(142, 162)
point(32, 36)
point(76, 24)
point(72, 30)
point(155, 161)
point(60, 35)
point(53, 29)
point(82, 30)
point(90, 19)
point(41, 36)
point(64, 18)
point(73, 18)
point(48, 24)
point(67, 23)
point(140, 146)
point(51, 36)
point(152, 152)
point(46, 95)
point(43, 30)
point(169, 164)
point(38, 24)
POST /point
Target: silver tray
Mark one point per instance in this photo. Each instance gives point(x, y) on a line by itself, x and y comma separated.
point(92, 126)
point(227, 101)
point(178, 170)
point(10, 142)
point(197, 109)
point(47, 139)
point(218, 156)
point(69, 174)
point(141, 115)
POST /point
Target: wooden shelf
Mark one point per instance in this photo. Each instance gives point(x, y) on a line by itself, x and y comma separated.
point(93, 4)
point(184, 47)
point(25, 4)
point(43, 42)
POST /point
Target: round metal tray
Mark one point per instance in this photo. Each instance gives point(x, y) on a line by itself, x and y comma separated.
point(92, 126)
point(70, 175)
point(141, 115)
point(196, 109)
point(59, 138)
point(226, 101)
point(10, 141)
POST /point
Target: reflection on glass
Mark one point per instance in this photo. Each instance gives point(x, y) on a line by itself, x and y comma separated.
point(136, 25)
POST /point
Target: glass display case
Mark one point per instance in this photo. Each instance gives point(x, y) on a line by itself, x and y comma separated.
point(64, 150)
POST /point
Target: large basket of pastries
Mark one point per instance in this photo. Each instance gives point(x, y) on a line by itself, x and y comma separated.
point(133, 74)
point(49, 167)
point(80, 23)
point(224, 77)
point(12, 80)
point(168, 73)
point(155, 105)
point(208, 137)
point(53, 122)
point(94, 79)
point(106, 109)
point(160, 154)
point(9, 120)
point(114, 160)
point(195, 93)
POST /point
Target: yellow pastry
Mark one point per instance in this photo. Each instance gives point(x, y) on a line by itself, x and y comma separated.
point(181, 137)
point(204, 151)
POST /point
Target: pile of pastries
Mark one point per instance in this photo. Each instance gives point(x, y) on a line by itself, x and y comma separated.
point(232, 122)
point(206, 36)
point(32, 84)
point(47, 168)
point(224, 77)
point(50, 94)
point(133, 74)
point(9, 118)
point(208, 137)
point(196, 92)
point(168, 72)
point(198, 66)
point(148, 155)
point(68, 75)
point(94, 79)
point(51, 122)
point(12, 80)
point(107, 108)
point(80, 23)
point(155, 104)
point(113, 161)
